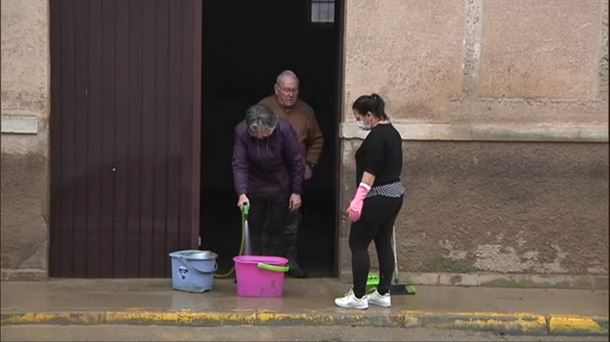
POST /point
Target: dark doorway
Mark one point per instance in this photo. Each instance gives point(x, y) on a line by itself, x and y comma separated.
point(246, 44)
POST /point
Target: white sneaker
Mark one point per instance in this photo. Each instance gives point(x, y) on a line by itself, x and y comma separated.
point(377, 299)
point(350, 301)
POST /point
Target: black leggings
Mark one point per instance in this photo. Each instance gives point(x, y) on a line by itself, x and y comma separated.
point(267, 226)
point(375, 224)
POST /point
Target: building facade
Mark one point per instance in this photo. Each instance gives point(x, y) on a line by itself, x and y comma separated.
point(503, 110)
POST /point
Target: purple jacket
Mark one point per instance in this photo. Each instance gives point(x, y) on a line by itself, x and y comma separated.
point(270, 168)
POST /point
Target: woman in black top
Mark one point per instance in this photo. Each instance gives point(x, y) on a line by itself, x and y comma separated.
point(376, 203)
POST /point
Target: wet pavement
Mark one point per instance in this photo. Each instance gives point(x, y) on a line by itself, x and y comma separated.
point(305, 302)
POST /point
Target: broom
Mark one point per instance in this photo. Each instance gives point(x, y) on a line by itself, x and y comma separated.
point(397, 288)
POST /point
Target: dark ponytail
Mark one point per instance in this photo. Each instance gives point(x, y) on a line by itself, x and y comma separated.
point(371, 103)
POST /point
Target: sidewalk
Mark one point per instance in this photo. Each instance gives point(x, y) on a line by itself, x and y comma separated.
point(305, 302)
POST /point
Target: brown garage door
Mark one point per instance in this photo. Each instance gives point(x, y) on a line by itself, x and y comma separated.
point(125, 134)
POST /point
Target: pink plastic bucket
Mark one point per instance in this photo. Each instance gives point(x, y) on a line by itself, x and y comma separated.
point(260, 276)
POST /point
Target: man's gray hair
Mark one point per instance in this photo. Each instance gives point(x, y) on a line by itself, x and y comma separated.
point(260, 117)
point(286, 73)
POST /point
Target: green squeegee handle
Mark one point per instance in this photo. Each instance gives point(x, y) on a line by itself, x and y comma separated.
point(272, 267)
point(245, 209)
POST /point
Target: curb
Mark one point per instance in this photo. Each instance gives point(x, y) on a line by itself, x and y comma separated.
point(503, 323)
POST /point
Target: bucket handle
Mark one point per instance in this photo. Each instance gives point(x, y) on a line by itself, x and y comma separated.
point(274, 268)
point(188, 264)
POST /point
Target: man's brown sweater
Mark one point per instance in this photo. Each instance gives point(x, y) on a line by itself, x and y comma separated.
point(303, 119)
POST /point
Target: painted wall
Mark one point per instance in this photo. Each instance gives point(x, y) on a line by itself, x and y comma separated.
point(25, 112)
point(503, 108)
point(478, 61)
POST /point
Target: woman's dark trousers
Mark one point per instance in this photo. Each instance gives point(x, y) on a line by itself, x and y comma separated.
point(376, 224)
point(267, 222)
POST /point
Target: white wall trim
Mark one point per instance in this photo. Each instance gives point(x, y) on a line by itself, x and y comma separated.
point(19, 124)
point(487, 132)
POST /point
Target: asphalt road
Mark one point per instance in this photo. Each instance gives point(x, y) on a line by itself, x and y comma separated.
point(256, 333)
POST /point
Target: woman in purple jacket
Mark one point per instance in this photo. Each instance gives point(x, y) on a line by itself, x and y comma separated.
point(267, 173)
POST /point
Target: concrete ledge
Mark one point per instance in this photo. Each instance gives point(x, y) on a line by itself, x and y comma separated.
point(577, 325)
point(558, 281)
point(512, 323)
point(23, 275)
point(346, 318)
point(555, 281)
point(202, 319)
point(506, 323)
point(19, 124)
point(488, 132)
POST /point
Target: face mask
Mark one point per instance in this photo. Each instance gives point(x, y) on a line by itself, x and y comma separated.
point(363, 126)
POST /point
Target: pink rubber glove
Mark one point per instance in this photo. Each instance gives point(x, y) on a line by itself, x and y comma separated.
point(355, 207)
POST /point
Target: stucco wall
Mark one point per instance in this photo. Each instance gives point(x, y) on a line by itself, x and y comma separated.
point(498, 207)
point(495, 101)
point(479, 61)
point(524, 206)
point(25, 110)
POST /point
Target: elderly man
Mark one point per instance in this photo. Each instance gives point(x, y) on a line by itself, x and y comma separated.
point(286, 104)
